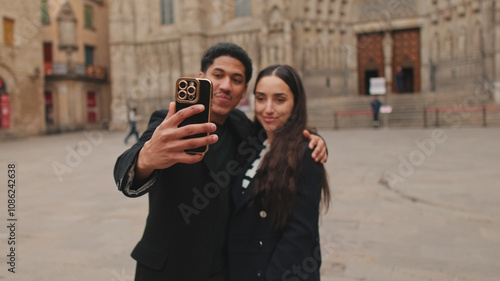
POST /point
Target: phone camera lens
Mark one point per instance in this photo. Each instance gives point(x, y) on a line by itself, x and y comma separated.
point(191, 90)
point(182, 84)
point(191, 97)
point(182, 95)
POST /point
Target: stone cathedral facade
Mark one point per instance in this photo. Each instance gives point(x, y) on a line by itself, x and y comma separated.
point(443, 47)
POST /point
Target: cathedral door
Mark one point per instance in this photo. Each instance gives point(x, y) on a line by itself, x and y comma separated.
point(406, 61)
point(370, 60)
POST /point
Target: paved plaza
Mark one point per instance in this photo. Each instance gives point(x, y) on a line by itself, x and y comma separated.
point(408, 205)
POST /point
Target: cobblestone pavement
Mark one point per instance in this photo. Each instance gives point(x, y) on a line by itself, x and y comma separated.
point(408, 205)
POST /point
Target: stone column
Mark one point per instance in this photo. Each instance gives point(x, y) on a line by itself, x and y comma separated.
point(349, 61)
point(387, 45)
point(123, 59)
point(263, 37)
point(496, 77)
point(288, 49)
point(193, 43)
point(426, 56)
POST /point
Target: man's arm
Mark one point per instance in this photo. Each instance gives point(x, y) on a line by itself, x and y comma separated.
point(316, 142)
point(161, 146)
point(167, 144)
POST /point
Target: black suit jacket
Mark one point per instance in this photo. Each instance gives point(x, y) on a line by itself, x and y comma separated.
point(258, 251)
point(178, 240)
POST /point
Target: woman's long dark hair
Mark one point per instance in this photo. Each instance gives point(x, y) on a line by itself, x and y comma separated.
point(275, 181)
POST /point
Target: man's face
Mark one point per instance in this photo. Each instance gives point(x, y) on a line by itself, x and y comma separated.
point(228, 78)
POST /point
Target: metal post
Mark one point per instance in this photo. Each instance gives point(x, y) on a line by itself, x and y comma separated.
point(425, 117)
point(437, 117)
point(484, 116)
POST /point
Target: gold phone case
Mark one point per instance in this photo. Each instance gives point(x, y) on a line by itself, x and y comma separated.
point(190, 91)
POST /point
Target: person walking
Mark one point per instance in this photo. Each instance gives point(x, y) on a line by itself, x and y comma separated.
point(132, 121)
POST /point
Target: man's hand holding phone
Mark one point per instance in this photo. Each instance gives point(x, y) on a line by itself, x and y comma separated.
point(168, 143)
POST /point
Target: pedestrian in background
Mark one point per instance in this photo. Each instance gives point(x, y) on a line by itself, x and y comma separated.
point(376, 104)
point(400, 79)
point(132, 121)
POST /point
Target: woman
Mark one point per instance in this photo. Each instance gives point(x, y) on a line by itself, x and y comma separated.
point(273, 233)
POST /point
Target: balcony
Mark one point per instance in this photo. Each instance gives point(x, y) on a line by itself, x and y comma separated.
point(76, 71)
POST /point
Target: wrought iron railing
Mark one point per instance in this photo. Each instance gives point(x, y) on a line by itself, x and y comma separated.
point(75, 69)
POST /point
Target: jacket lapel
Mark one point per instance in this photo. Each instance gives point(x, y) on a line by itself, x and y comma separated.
point(238, 123)
point(246, 197)
point(242, 196)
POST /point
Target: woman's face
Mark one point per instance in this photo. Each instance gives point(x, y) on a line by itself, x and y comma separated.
point(273, 103)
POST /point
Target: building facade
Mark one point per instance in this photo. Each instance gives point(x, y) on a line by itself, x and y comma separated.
point(54, 63)
point(75, 36)
point(21, 79)
point(429, 47)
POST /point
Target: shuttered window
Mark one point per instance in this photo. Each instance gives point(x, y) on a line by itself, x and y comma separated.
point(167, 11)
point(45, 13)
point(89, 17)
point(241, 8)
point(8, 32)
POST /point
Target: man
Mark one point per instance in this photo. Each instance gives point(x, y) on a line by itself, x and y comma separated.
point(376, 104)
point(189, 203)
point(400, 79)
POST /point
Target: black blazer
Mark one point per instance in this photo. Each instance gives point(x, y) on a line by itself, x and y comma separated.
point(257, 251)
point(176, 246)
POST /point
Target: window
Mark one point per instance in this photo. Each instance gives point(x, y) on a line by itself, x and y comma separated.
point(241, 8)
point(89, 55)
point(91, 107)
point(49, 107)
point(5, 109)
point(8, 32)
point(47, 52)
point(45, 13)
point(167, 11)
point(3, 86)
point(47, 58)
point(89, 17)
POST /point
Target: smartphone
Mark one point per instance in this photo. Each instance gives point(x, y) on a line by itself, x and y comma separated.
point(190, 91)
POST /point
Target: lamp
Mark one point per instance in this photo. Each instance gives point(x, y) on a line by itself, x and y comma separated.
point(36, 73)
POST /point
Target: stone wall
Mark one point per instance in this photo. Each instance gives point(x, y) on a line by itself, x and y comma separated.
point(21, 68)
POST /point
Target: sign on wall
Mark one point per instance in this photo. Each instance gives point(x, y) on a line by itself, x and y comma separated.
point(377, 86)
